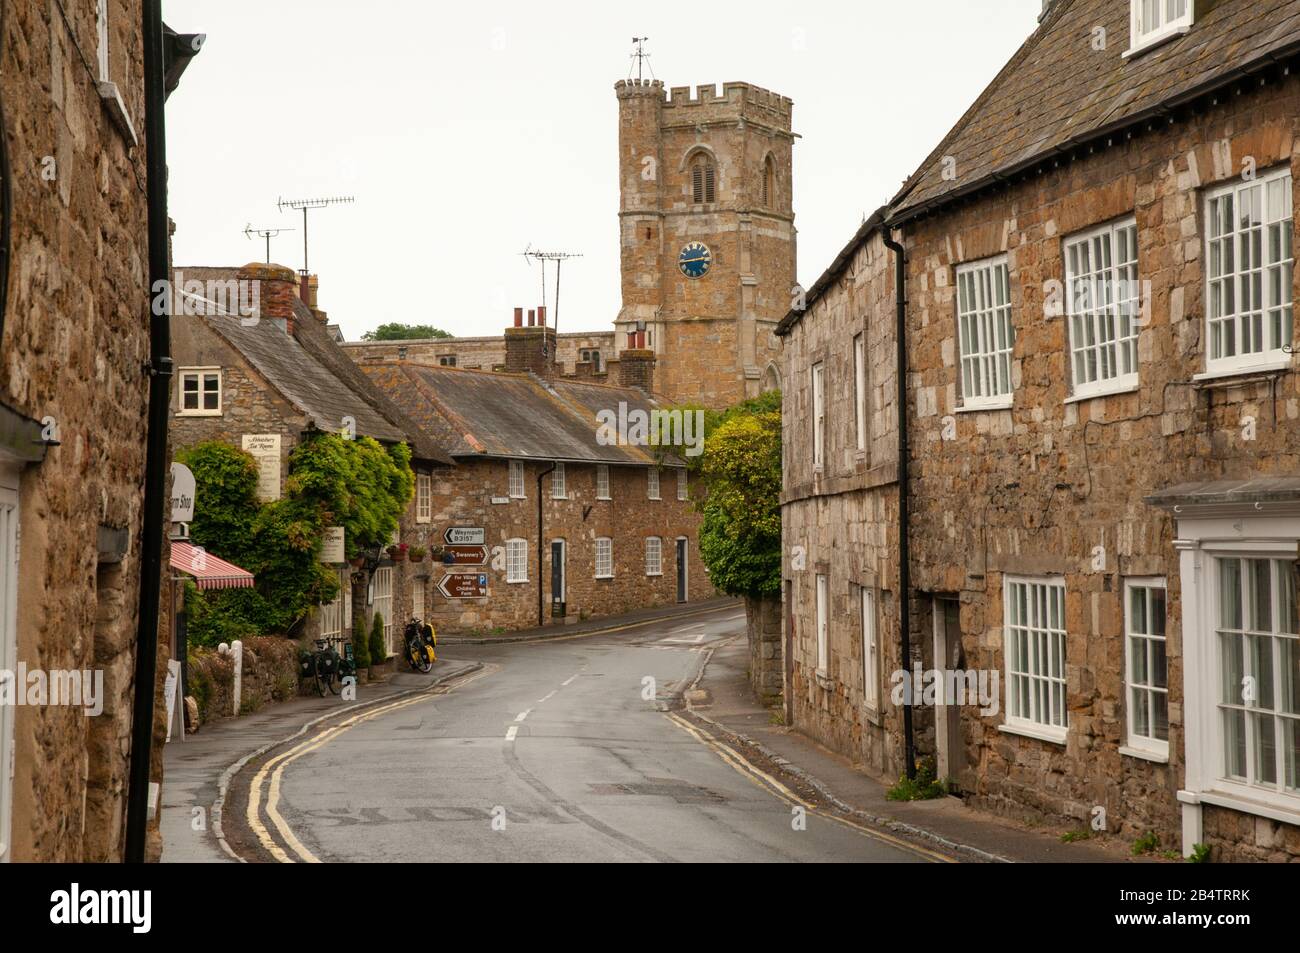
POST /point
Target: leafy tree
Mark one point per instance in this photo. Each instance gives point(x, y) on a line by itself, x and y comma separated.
point(395, 331)
point(740, 534)
point(378, 647)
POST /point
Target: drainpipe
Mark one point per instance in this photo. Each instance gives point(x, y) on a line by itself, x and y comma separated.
point(904, 551)
point(540, 617)
point(155, 476)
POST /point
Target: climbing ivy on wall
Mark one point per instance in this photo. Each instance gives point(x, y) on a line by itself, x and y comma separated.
point(357, 484)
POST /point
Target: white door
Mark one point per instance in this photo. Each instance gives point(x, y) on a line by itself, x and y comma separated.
point(8, 653)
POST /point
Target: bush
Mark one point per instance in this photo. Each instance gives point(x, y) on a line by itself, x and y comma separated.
point(378, 650)
point(923, 787)
point(360, 647)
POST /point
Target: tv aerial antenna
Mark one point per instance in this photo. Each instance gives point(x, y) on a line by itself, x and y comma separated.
point(559, 257)
point(267, 232)
point(304, 205)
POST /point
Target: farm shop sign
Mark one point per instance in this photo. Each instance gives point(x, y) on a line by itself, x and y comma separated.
point(265, 448)
point(464, 585)
point(465, 536)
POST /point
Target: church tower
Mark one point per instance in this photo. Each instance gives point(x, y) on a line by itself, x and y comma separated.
point(707, 234)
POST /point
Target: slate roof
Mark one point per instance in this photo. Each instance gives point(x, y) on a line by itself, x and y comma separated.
point(313, 374)
point(492, 414)
point(1058, 92)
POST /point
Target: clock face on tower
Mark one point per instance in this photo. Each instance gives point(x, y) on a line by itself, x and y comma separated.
point(695, 260)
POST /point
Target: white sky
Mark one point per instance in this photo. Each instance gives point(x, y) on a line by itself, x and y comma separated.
point(468, 131)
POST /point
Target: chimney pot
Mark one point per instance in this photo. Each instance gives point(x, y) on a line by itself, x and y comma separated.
point(519, 317)
point(541, 316)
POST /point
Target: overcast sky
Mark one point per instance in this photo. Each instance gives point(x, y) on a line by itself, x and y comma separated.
point(467, 132)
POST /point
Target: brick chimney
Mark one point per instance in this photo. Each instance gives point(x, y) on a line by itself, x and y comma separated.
point(530, 347)
point(308, 290)
point(636, 365)
point(277, 287)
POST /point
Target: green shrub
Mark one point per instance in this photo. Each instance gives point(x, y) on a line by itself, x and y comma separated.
point(378, 649)
point(1148, 843)
point(360, 647)
point(924, 787)
point(1200, 854)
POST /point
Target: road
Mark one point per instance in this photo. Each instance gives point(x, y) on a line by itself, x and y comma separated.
point(559, 750)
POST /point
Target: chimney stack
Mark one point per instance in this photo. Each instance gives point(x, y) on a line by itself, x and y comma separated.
point(530, 347)
point(277, 287)
point(636, 365)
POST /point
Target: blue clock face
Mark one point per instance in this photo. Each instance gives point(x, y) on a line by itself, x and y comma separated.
point(695, 260)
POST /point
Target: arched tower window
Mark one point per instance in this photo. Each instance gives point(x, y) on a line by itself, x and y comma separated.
point(703, 177)
point(771, 379)
point(769, 183)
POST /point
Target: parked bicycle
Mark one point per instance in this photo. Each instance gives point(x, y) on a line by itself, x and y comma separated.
point(326, 666)
point(420, 642)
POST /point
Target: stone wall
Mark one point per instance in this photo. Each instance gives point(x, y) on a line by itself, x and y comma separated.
point(841, 520)
point(763, 628)
point(1045, 487)
point(487, 353)
point(75, 340)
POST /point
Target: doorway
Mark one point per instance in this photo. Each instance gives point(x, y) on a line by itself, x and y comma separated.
point(558, 595)
point(949, 656)
point(682, 571)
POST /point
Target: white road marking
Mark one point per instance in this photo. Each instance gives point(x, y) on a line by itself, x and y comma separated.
point(511, 732)
point(523, 714)
point(694, 640)
point(569, 679)
point(547, 697)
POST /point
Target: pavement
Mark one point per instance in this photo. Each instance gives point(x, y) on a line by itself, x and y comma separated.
point(620, 740)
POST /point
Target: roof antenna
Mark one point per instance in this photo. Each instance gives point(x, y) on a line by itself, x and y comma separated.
point(305, 204)
point(642, 58)
point(269, 232)
point(559, 257)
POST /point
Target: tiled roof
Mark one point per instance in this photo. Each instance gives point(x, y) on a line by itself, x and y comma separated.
point(1059, 91)
point(484, 413)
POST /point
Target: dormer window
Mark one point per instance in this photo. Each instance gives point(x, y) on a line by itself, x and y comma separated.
point(1154, 21)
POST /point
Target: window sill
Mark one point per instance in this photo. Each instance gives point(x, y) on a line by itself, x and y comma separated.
point(654, 573)
point(1245, 805)
point(984, 408)
point(198, 413)
point(1268, 367)
point(424, 520)
point(604, 578)
point(604, 499)
point(112, 99)
point(654, 499)
point(823, 680)
point(516, 582)
point(1159, 39)
point(1056, 736)
point(1093, 395)
point(1144, 755)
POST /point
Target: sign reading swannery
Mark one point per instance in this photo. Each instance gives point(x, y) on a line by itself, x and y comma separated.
point(465, 536)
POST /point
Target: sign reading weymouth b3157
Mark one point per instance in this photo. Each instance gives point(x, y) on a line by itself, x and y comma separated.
point(465, 536)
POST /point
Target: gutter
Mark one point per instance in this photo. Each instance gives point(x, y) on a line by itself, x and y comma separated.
point(540, 474)
point(904, 528)
point(159, 369)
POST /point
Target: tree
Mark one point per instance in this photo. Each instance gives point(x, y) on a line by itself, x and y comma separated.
point(378, 647)
point(360, 647)
point(395, 331)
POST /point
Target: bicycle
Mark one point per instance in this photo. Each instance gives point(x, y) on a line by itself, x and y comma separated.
point(325, 667)
point(420, 642)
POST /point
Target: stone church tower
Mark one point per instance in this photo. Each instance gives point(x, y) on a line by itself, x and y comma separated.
point(707, 235)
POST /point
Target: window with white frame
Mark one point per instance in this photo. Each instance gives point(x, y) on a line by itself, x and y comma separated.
point(1258, 655)
point(417, 599)
point(1035, 656)
point(1154, 20)
point(516, 480)
point(870, 651)
point(1146, 666)
point(200, 391)
point(602, 482)
point(860, 388)
point(559, 490)
point(683, 484)
point(985, 332)
point(654, 556)
point(336, 616)
point(8, 653)
point(1104, 303)
point(383, 603)
point(423, 498)
point(652, 483)
point(604, 558)
point(1249, 308)
point(823, 632)
point(818, 415)
point(516, 560)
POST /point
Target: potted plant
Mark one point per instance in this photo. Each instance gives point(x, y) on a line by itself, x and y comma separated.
point(397, 552)
point(357, 561)
point(416, 554)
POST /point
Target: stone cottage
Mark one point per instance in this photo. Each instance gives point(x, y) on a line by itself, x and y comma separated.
point(1102, 403)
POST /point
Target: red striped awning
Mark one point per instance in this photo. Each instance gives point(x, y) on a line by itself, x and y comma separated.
point(208, 571)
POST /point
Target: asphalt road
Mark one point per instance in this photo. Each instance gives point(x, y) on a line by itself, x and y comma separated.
point(554, 751)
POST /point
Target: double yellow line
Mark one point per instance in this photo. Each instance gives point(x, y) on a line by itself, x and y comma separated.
point(770, 784)
point(274, 770)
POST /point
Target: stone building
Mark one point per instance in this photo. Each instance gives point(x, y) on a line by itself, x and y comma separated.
point(707, 249)
point(1102, 403)
point(75, 318)
point(257, 367)
point(617, 529)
